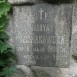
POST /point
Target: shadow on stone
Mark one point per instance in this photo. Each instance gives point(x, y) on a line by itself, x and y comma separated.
point(47, 71)
point(58, 1)
point(23, 4)
point(25, 71)
point(36, 73)
point(40, 73)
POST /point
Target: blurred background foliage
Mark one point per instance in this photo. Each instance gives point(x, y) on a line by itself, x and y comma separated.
point(7, 68)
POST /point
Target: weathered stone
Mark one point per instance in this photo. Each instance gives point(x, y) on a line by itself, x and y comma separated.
point(23, 71)
point(63, 21)
point(73, 64)
point(53, 71)
point(40, 73)
point(74, 30)
point(10, 31)
point(22, 31)
point(57, 19)
point(23, 1)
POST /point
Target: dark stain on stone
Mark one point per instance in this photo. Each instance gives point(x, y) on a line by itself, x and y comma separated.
point(23, 4)
point(58, 1)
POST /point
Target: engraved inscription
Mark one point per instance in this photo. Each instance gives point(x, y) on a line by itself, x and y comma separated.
point(43, 14)
point(44, 39)
point(42, 35)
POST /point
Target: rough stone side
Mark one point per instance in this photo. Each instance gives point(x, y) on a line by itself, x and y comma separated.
point(63, 21)
point(73, 64)
point(10, 31)
point(74, 30)
point(23, 19)
point(52, 71)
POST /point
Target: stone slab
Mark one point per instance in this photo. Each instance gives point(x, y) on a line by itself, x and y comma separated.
point(38, 20)
point(54, 72)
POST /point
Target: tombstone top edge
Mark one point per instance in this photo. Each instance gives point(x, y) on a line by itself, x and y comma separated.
point(17, 2)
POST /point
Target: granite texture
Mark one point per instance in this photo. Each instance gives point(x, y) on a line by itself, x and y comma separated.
point(63, 21)
point(22, 31)
point(71, 71)
point(34, 71)
point(10, 31)
point(74, 31)
point(26, 71)
point(56, 23)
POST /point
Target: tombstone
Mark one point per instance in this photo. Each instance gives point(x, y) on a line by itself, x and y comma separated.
point(41, 34)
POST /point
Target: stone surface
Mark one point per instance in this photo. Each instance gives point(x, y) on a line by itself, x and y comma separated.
point(73, 64)
point(23, 1)
point(74, 31)
point(42, 72)
point(23, 71)
point(44, 38)
point(26, 71)
point(53, 71)
point(42, 19)
point(10, 32)
point(63, 21)
point(22, 31)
